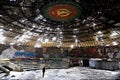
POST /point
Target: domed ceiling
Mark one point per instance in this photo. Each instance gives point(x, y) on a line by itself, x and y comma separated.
point(61, 23)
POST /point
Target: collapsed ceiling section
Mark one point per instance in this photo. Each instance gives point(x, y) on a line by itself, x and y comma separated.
point(61, 23)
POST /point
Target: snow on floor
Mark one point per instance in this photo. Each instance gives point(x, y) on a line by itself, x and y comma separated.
point(75, 73)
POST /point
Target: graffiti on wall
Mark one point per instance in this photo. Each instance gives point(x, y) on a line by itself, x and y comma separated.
point(96, 52)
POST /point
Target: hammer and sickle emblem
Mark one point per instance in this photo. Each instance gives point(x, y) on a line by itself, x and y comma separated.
point(63, 12)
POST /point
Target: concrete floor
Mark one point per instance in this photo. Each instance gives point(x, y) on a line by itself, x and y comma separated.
point(74, 73)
